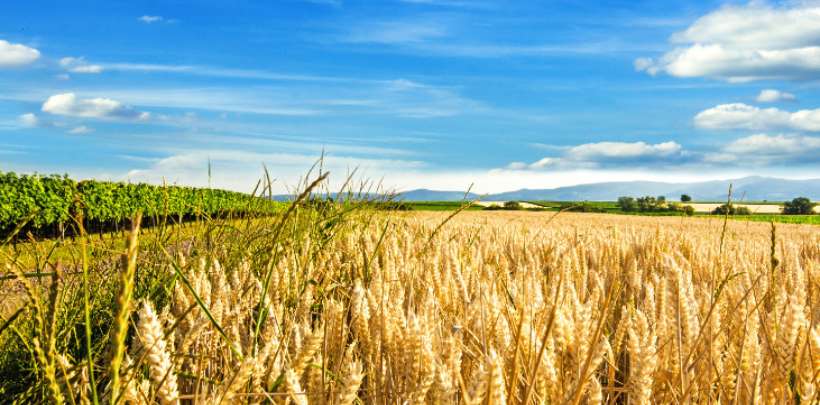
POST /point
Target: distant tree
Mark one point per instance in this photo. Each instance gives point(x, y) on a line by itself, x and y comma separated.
point(512, 205)
point(799, 206)
point(647, 203)
point(627, 204)
point(731, 209)
point(689, 210)
point(685, 198)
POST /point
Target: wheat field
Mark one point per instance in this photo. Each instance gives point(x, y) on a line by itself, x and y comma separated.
point(389, 308)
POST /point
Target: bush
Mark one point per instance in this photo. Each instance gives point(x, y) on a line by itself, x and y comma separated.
point(392, 206)
point(580, 207)
point(689, 210)
point(731, 209)
point(685, 198)
point(799, 206)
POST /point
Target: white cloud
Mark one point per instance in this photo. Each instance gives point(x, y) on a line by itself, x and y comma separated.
point(28, 120)
point(743, 116)
point(69, 105)
point(82, 129)
point(622, 150)
point(16, 55)
point(743, 43)
point(150, 19)
point(756, 25)
point(79, 65)
point(599, 154)
point(774, 145)
point(766, 150)
point(773, 96)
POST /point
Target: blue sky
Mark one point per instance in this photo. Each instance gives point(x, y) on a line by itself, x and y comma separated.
point(413, 93)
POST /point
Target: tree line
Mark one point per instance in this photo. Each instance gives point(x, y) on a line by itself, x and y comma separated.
point(797, 206)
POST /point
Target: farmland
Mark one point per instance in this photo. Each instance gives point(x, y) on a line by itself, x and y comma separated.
point(760, 212)
point(333, 304)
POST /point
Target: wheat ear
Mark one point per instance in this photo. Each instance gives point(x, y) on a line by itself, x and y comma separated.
point(159, 360)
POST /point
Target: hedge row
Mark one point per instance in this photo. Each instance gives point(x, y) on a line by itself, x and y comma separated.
point(54, 199)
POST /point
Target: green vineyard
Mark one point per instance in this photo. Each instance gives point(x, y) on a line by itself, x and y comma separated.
point(46, 203)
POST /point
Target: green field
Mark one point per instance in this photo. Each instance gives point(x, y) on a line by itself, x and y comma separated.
point(440, 205)
point(611, 207)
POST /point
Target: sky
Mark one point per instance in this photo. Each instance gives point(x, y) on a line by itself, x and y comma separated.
point(438, 94)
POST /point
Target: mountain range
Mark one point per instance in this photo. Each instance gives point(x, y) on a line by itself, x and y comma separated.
point(753, 188)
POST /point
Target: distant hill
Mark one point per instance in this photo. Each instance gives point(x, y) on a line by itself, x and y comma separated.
point(753, 188)
point(433, 195)
point(412, 195)
point(748, 188)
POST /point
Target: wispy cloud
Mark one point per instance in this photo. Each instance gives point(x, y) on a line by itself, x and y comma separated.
point(453, 3)
point(401, 98)
point(332, 3)
point(216, 71)
point(79, 65)
point(446, 36)
point(396, 32)
point(150, 19)
point(80, 130)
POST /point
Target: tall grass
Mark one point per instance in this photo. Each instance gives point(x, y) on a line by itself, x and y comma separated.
point(339, 303)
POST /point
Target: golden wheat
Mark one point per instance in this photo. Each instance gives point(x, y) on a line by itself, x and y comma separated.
point(492, 309)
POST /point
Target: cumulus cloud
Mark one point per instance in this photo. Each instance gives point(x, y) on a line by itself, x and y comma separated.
point(16, 55)
point(743, 43)
point(743, 116)
point(607, 154)
point(773, 96)
point(28, 120)
point(79, 65)
point(68, 104)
